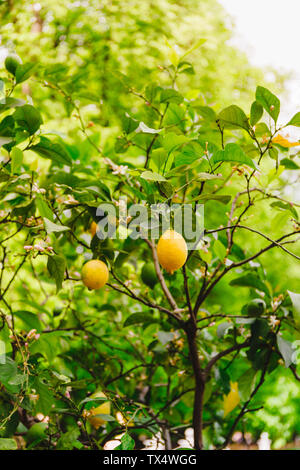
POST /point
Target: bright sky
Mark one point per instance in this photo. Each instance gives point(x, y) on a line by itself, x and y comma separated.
point(269, 32)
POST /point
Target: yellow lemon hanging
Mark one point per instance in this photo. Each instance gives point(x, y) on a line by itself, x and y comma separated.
point(171, 251)
point(94, 274)
point(103, 409)
point(232, 399)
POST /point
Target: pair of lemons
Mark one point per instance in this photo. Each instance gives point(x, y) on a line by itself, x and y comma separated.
point(171, 252)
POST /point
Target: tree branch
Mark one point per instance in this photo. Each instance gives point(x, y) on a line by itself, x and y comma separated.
point(214, 359)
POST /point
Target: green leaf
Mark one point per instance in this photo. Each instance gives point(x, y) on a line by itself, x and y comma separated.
point(286, 207)
point(197, 44)
point(256, 112)
point(159, 157)
point(129, 124)
point(52, 227)
point(269, 102)
point(5, 342)
point(29, 320)
point(9, 376)
point(53, 151)
point(295, 121)
point(50, 345)
point(127, 443)
point(56, 266)
point(24, 71)
point(36, 434)
point(152, 176)
point(206, 256)
point(188, 154)
point(219, 249)
point(250, 280)
point(233, 117)
point(43, 208)
point(166, 189)
point(262, 129)
point(169, 95)
point(11, 63)
point(295, 298)
point(232, 153)
point(46, 397)
point(151, 91)
point(68, 440)
point(286, 350)
point(28, 118)
point(137, 318)
point(206, 113)
point(273, 153)
point(246, 383)
point(16, 156)
point(289, 164)
point(8, 370)
point(121, 145)
point(8, 444)
point(172, 141)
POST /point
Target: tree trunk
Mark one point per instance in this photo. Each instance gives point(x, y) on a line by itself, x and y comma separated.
point(199, 387)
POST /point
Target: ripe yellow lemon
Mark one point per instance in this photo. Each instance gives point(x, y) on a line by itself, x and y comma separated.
point(93, 228)
point(171, 251)
point(103, 409)
point(95, 274)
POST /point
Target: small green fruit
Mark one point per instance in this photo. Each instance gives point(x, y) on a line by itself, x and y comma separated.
point(148, 275)
point(11, 63)
point(256, 307)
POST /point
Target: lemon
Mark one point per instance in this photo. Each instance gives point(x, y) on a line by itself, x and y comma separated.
point(171, 251)
point(95, 274)
point(103, 409)
point(256, 307)
point(232, 399)
point(148, 275)
point(93, 228)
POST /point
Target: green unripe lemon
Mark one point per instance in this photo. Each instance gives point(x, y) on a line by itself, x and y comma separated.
point(148, 275)
point(256, 307)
